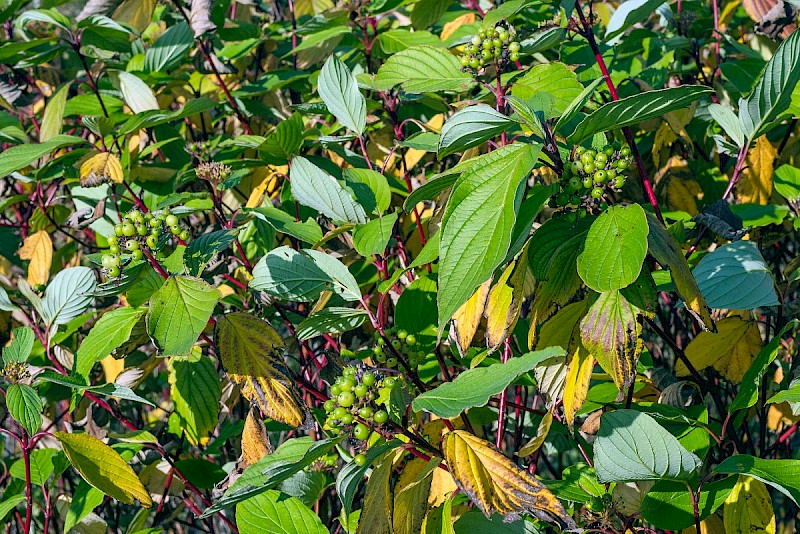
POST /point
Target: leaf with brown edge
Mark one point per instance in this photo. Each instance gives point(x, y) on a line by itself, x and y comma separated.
point(38, 248)
point(255, 444)
point(505, 302)
point(495, 483)
point(755, 185)
point(666, 251)
point(469, 315)
point(561, 330)
point(731, 350)
point(250, 351)
point(101, 168)
point(611, 332)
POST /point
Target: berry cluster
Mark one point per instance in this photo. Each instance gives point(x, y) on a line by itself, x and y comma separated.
point(136, 230)
point(591, 175)
point(489, 45)
point(352, 406)
point(403, 343)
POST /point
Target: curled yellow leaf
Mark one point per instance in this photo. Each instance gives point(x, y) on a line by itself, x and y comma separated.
point(731, 350)
point(38, 248)
point(255, 444)
point(101, 168)
point(496, 484)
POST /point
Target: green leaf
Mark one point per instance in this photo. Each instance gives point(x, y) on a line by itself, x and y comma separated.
point(427, 12)
point(20, 347)
point(577, 104)
point(169, 50)
point(787, 182)
point(751, 382)
point(351, 474)
point(629, 13)
point(283, 142)
point(474, 387)
point(288, 274)
point(68, 295)
point(422, 69)
point(202, 249)
point(272, 511)
point(553, 79)
point(54, 114)
point(330, 321)
point(635, 109)
point(615, 248)
point(110, 332)
point(478, 223)
point(152, 118)
point(373, 237)
point(78, 383)
point(787, 395)
point(308, 231)
point(178, 313)
point(394, 41)
point(9, 503)
point(136, 93)
point(25, 405)
point(668, 504)
point(780, 474)
point(471, 126)
point(723, 273)
point(427, 255)
point(17, 157)
point(338, 89)
point(195, 390)
point(269, 472)
point(729, 122)
point(503, 11)
point(44, 462)
point(370, 189)
point(5, 302)
point(317, 189)
point(84, 500)
point(631, 446)
point(103, 468)
point(772, 94)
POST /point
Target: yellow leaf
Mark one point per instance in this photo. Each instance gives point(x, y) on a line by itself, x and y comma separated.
point(250, 351)
point(101, 168)
point(748, 508)
point(576, 384)
point(682, 194)
point(255, 444)
point(449, 28)
point(495, 483)
point(730, 350)
point(780, 415)
point(38, 248)
point(561, 330)
point(136, 13)
point(112, 367)
point(102, 467)
point(664, 138)
point(505, 301)
point(755, 184)
point(541, 435)
point(411, 496)
point(468, 317)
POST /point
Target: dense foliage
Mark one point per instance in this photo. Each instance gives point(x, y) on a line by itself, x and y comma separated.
point(399, 266)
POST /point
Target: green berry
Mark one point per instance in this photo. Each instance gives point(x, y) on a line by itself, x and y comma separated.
point(112, 272)
point(118, 229)
point(360, 460)
point(171, 220)
point(175, 229)
point(625, 151)
point(360, 391)
point(587, 182)
point(513, 46)
point(576, 167)
point(361, 431)
point(151, 241)
point(464, 61)
point(113, 239)
point(346, 399)
point(579, 151)
point(184, 235)
point(474, 63)
point(622, 165)
point(330, 460)
point(132, 245)
point(368, 379)
point(329, 405)
point(105, 260)
point(389, 382)
point(619, 183)
point(338, 413)
point(381, 416)
point(600, 176)
point(347, 419)
point(601, 159)
point(128, 229)
point(136, 255)
point(608, 150)
point(391, 362)
point(114, 249)
point(514, 56)
point(365, 412)
point(574, 183)
point(476, 40)
point(335, 390)
point(411, 340)
point(348, 383)
point(597, 192)
point(587, 158)
point(380, 357)
point(589, 167)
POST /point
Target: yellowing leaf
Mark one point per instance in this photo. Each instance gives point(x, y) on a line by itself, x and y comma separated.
point(376, 514)
point(730, 350)
point(468, 316)
point(495, 483)
point(38, 248)
point(255, 444)
point(250, 351)
point(456, 23)
point(411, 496)
point(710, 525)
point(576, 384)
point(136, 13)
point(101, 168)
point(541, 435)
point(112, 367)
point(682, 194)
point(102, 467)
point(748, 508)
point(561, 330)
point(611, 332)
point(505, 302)
point(664, 138)
point(755, 184)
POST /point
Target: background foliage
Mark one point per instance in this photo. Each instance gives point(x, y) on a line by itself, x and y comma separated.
point(399, 266)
